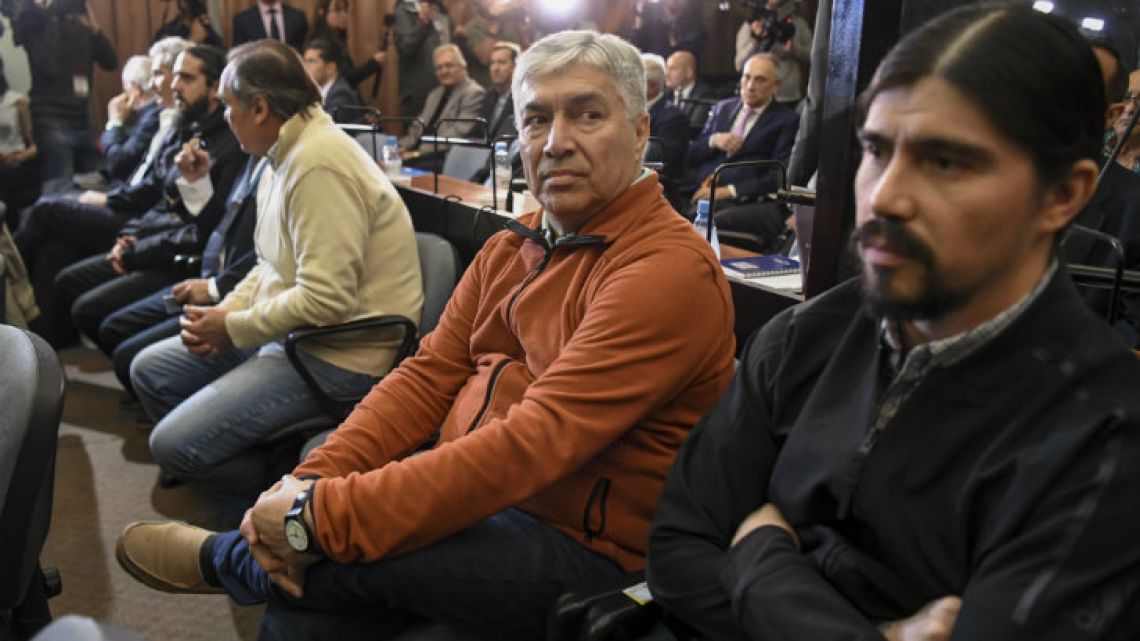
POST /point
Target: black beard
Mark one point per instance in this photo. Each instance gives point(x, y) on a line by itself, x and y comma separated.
point(196, 110)
point(935, 298)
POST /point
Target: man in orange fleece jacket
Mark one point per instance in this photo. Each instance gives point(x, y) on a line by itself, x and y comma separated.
point(578, 350)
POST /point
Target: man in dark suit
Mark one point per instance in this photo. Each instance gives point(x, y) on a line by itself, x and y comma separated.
point(321, 59)
point(141, 258)
point(132, 120)
point(668, 126)
point(271, 19)
point(226, 259)
point(498, 104)
point(751, 127)
point(686, 90)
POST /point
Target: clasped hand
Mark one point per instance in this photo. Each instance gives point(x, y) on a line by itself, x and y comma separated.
point(203, 330)
point(263, 528)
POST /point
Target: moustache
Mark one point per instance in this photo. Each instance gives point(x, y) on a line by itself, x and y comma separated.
point(892, 236)
point(546, 168)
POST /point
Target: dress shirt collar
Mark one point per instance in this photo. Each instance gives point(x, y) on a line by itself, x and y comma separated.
point(947, 351)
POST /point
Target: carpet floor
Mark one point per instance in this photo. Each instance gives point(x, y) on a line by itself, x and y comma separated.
point(105, 478)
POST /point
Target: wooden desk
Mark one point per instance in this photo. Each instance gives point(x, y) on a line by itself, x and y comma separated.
point(455, 214)
point(467, 192)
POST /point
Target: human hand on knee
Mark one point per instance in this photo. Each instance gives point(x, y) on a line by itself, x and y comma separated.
point(934, 622)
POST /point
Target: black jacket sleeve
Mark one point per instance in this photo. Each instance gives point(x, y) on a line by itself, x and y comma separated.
point(103, 52)
point(720, 476)
point(360, 73)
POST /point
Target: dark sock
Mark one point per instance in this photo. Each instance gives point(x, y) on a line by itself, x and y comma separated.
point(206, 561)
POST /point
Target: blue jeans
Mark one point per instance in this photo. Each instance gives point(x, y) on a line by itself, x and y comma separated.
point(64, 150)
point(129, 329)
point(497, 578)
point(211, 413)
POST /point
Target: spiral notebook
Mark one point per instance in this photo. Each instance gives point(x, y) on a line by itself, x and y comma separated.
point(759, 266)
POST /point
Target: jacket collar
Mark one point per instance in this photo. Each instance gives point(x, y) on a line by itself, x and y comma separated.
point(611, 221)
point(291, 131)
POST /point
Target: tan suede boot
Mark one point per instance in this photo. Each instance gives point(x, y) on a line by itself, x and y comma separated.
point(164, 556)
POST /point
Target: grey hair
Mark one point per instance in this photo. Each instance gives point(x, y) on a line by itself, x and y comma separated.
point(137, 72)
point(655, 71)
point(605, 52)
point(166, 51)
point(273, 70)
point(449, 47)
point(770, 58)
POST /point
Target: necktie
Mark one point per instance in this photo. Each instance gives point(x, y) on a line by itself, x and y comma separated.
point(274, 32)
point(433, 122)
point(497, 113)
point(677, 99)
point(213, 254)
point(739, 128)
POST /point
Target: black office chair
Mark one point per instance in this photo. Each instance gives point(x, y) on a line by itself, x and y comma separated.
point(31, 395)
point(440, 268)
point(1078, 245)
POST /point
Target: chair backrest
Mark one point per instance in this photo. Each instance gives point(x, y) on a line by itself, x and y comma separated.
point(653, 156)
point(464, 162)
point(1078, 245)
point(439, 265)
point(31, 398)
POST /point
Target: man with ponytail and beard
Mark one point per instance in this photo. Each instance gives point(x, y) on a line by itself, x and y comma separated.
point(941, 448)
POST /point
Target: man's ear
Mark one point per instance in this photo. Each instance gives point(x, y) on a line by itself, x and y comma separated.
point(1068, 196)
point(260, 109)
point(641, 133)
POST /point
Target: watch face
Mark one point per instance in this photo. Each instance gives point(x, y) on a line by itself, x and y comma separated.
point(296, 535)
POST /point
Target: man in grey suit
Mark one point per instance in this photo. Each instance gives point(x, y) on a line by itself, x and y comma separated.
point(457, 96)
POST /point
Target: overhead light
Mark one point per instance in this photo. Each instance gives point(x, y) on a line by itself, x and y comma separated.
point(1092, 24)
point(1044, 6)
point(559, 8)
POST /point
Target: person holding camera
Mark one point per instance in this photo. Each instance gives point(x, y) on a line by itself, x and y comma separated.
point(63, 42)
point(777, 28)
point(192, 23)
point(420, 26)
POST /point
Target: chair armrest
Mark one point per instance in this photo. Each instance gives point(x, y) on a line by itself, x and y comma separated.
point(600, 610)
point(338, 407)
